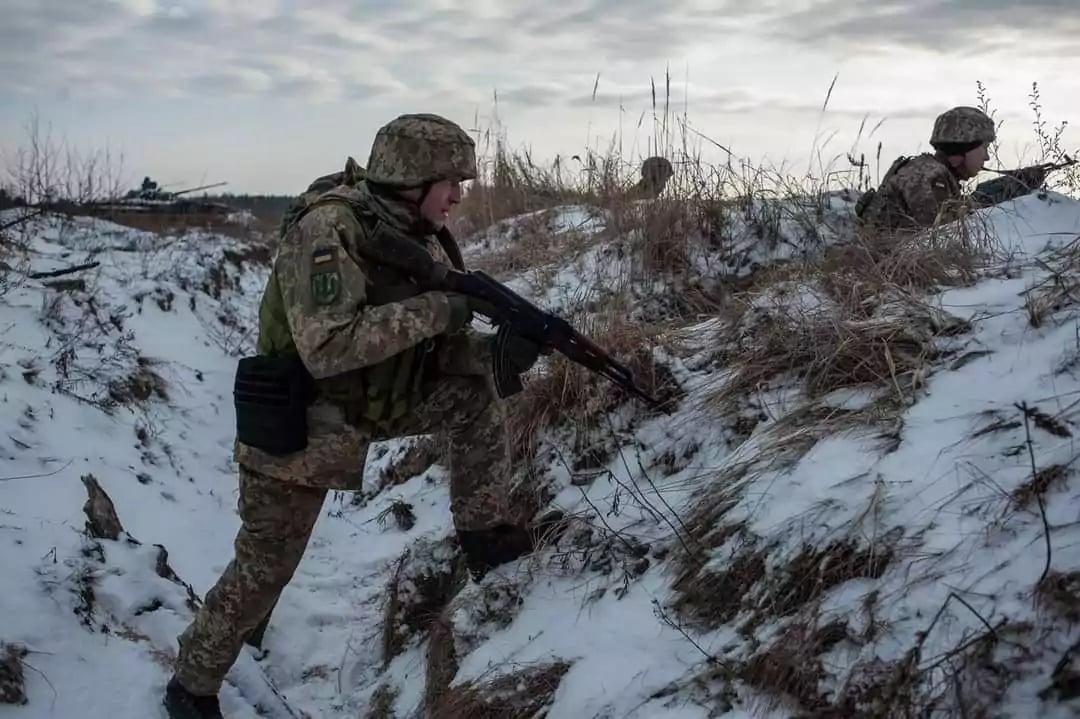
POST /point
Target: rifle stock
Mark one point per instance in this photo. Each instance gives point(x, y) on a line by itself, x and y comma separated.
point(511, 314)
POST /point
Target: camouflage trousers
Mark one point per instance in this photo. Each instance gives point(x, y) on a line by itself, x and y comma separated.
point(277, 519)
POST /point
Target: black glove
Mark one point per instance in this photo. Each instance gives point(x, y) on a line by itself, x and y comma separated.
point(521, 353)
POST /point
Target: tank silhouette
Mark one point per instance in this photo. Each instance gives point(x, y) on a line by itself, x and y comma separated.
point(152, 198)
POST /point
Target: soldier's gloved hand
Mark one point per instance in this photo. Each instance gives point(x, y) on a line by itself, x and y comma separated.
point(521, 353)
point(460, 312)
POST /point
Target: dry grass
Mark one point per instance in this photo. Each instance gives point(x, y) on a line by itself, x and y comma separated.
point(797, 334)
point(382, 701)
point(441, 664)
point(12, 679)
point(1060, 290)
point(530, 243)
point(789, 672)
point(522, 694)
point(748, 584)
point(1059, 593)
point(569, 394)
point(418, 591)
point(1027, 494)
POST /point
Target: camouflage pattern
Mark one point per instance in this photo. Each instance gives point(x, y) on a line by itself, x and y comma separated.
point(341, 336)
point(320, 303)
point(278, 517)
point(277, 520)
point(915, 193)
point(962, 125)
point(920, 192)
point(412, 150)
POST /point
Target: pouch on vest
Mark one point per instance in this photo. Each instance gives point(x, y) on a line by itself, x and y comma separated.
point(271, 395)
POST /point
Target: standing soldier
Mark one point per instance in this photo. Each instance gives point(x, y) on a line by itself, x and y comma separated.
point(364, 356)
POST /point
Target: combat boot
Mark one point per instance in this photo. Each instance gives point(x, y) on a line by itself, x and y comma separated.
point(486, 549)
point(182, 704)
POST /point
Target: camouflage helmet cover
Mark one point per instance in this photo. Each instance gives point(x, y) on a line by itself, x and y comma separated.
point(415, 149)
point(962, 125)
point(656, 168)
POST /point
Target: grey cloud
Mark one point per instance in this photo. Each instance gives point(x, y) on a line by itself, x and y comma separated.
point(226, 81)
point(535, 55)
point(951, 26)
point(533, 95)
point(189, 49)
point(364, 90)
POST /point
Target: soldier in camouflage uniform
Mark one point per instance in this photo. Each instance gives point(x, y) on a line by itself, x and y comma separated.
point(386, 360)
point(923, 191)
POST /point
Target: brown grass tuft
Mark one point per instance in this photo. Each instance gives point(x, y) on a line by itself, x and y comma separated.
point(826, 346)
point(1027, 494)
point(519, 695)
point(789, 672)
point(568, 393)
point(442, 663)
point(141, 385)
point(419, 589)
point(12, 680)
point(1059, 593)
point(382, 701)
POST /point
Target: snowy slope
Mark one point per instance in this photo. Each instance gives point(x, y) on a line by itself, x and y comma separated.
point(933, 512)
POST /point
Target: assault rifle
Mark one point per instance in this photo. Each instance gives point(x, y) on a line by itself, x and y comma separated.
point(1014, 183)
point(1043, 169)
point(509, 312)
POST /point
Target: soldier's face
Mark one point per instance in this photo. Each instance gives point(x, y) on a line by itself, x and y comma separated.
point(440, 201)
point(974, 160)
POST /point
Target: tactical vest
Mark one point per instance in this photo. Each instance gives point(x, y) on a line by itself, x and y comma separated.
point(384, 391)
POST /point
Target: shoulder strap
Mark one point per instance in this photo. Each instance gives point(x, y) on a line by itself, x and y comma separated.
point(450, 247)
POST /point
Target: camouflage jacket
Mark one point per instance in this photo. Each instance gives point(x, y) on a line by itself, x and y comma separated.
point(916, 193)
point(320, 301)
point(923, 191)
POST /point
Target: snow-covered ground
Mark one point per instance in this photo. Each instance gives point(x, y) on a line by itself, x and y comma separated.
point(847, 558)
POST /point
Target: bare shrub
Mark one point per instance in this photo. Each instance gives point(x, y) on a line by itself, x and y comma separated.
point(52, 174)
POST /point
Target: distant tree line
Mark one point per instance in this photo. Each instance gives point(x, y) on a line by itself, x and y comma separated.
point(265, 206)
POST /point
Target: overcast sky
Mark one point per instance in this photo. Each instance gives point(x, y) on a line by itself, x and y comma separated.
point(267, 95)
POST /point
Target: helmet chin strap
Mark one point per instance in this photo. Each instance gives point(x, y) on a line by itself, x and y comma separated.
point(424, 190)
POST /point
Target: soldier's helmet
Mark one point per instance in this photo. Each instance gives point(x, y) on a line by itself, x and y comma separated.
point(656, 170)
point(962, 126)
point(412, 150)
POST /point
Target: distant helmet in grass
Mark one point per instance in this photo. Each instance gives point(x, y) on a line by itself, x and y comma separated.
point(415, 149)
point(962, 127)
point(656, 170)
